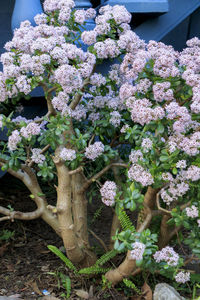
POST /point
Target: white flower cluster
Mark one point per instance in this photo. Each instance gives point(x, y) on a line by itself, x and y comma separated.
point(139, 174)
point(94, 151)
point(31, 129)
point(37, 157)
point(67, 154)
point(13, 140)
point(182, 277)
point(108, 193)
point(192, 211)
point(168, 255)
point(138, 250)
point(147, 144)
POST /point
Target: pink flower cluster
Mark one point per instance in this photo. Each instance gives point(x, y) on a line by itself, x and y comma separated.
point(27, 132)
point(37, 157)
point(147, 144)
point(31, 129)
point(13, 140)
point(115, 118)
point(192, 211)
point(182, 277)
point(162, 92)
point(139, 174)
point(193, 173)
point(97, 79)
point(135, 156)
point(52, 5)
point(143, 85)
point(94, 151)
point(168, 255)
point(108, 193)
point(67, 154)
point(60, 101)
point(177, 188)
point(138, 250)
point(142, 111)
point(108, 48)
point(181, 164)
point(69, 78)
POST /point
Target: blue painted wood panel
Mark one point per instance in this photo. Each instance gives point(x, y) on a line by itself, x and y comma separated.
point(194, 24)
point(157, 28)
point(6, 8)
point(178, 36)
point(142, 6)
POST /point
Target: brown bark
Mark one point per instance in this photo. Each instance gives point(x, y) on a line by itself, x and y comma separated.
point(64, 211)
point(79, 209)
point(128, 266)
point(115, 221)
point(149, 203)
point(28, 177)
point(114, 227)
point(166, 232)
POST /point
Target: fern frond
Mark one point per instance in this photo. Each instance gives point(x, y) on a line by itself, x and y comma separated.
point(93, 270)
point(125, 220)
point(66, 260)
point(106, 257)
point(131, 285)
point(68, 286)
point(97, 214)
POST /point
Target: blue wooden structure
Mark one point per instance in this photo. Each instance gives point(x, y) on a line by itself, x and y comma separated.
point(141, 6)
point(170, 21)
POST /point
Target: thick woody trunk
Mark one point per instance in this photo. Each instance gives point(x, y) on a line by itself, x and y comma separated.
point(126, 268)
point(166, 232)
point(149, 203)
point(115, 225)
point(79, 209)
point(64, 211)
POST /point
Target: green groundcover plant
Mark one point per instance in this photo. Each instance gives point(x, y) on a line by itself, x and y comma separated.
point(131, 136)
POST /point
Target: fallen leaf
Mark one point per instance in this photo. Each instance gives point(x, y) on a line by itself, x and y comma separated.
point(3, 249)
point(35, 287)
point(82, 294)
point(147, 292)
point(10, 268)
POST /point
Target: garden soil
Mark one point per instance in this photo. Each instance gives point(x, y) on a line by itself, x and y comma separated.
point(27, 268)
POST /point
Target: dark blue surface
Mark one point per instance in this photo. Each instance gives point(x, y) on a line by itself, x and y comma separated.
point(180, 23)
point(25, 10)
point(83, 3)
point(6, 8)
point(158, 28)
point(142, 6)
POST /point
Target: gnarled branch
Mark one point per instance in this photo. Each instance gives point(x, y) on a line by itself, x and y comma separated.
point(78, 97)
point(11, 215)
point(100, 173)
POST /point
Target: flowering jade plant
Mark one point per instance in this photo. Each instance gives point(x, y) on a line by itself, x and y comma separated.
point(133, 135)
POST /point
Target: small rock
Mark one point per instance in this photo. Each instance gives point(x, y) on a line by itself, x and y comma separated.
point(164, 291)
